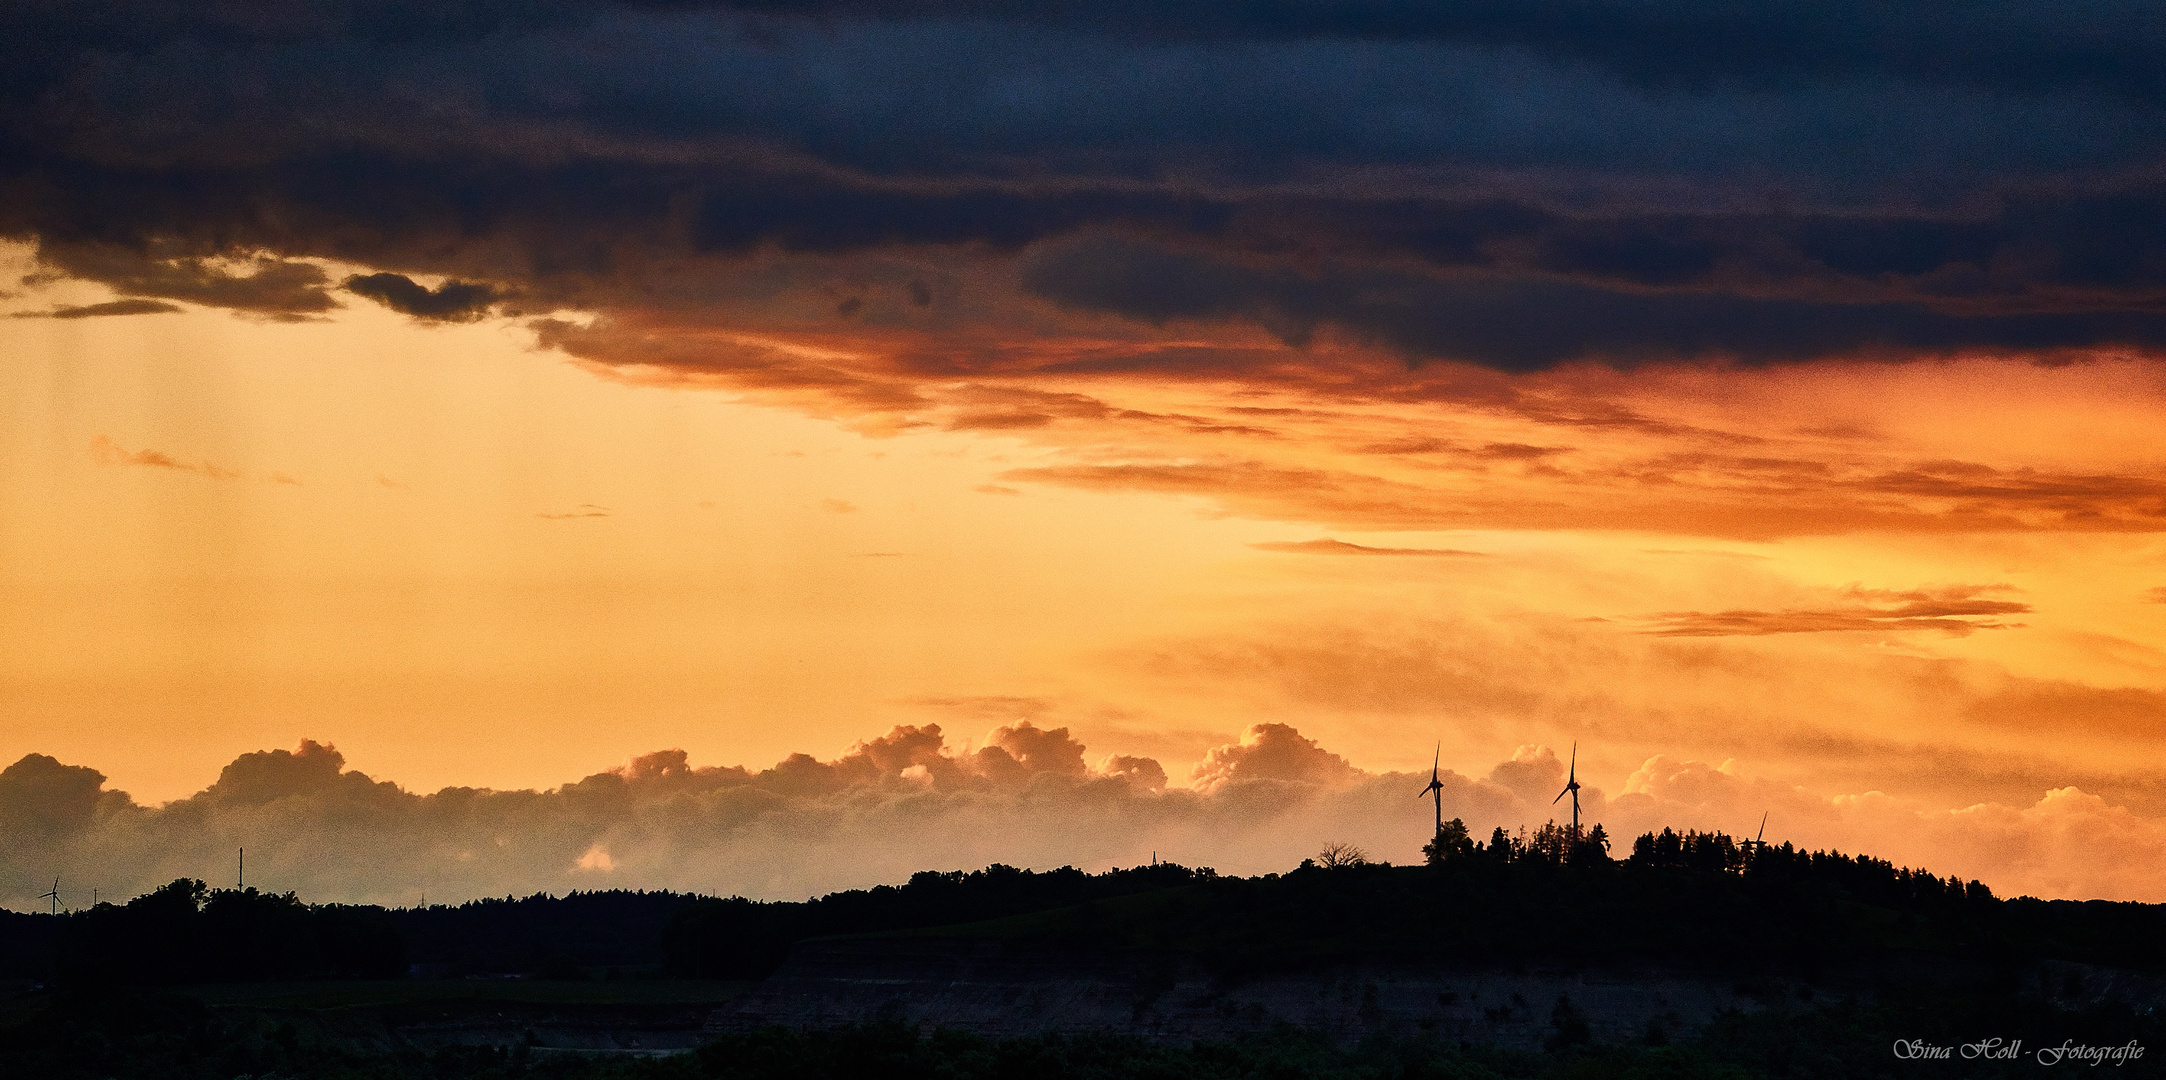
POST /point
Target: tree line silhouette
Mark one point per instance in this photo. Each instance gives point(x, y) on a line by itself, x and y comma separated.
point(185, 932)
point(1862, 877)
point(1685, 898)
point(745, 939)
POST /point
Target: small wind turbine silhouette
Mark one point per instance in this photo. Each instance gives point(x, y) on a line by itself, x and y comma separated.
point(53, 894)
point(1571, 787)
point(1760, 841)
point(1436, 787)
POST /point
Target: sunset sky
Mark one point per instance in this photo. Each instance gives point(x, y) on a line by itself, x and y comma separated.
point(470, 448)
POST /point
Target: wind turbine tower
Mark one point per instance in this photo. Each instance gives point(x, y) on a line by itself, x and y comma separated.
point(1571, 787)
point(52, 894)
point(1436, 788)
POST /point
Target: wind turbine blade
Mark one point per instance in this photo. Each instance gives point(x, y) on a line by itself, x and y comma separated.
point(1560, 796)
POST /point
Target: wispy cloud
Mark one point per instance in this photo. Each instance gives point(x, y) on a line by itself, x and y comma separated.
point(1341, 547)
point(264, 285)
point(1958, 611)
point(110, 307)
point(584, 510)
point(107, 452)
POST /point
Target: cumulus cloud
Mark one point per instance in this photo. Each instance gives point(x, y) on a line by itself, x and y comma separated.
point(909, 800)
point(42, 798)
point(1271, 752)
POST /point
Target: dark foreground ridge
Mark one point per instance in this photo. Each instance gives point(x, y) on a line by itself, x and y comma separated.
point(1519, 957)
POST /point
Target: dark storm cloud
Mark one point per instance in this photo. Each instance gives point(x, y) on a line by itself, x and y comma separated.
point(1508, 184)
point(1522, 325)
point(2107, 46)
point(261, 285)
point(452, 301)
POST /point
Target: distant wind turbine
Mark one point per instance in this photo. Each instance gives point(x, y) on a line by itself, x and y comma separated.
point(1571, 787)
point(1760, 841)
point(1436, 787)
point(52, 894)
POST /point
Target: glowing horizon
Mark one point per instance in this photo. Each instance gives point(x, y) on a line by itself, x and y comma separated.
point(499, 408)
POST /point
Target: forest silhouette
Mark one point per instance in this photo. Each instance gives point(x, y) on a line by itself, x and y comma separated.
point(125, 982)
point(1694, 899)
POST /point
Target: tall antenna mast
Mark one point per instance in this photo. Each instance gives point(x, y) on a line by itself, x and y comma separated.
point(1571, 787)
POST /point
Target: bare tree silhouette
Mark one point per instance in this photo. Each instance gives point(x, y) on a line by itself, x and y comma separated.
point(1339, 853)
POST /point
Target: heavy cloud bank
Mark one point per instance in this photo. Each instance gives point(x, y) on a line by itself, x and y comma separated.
point(1511, 185)
point(909, 800)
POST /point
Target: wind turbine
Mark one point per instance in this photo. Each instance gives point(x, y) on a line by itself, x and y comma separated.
point(1436, 787)
point(1758, 842)
point(53, 894)
point(1571, 787)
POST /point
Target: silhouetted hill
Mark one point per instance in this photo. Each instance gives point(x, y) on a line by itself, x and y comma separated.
point(1696, 899)
point(1699, 899)
point(744, 939)
point(187, 933)
point(541, 933)
point(1515, 911)
point(28, 944)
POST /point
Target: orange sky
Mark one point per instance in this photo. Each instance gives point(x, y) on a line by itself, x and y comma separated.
point(510, 553)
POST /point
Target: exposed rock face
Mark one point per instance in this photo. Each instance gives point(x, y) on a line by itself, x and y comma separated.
point(997, 990)
point(2068, 985)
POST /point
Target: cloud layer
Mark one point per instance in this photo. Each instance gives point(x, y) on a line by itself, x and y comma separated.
point(1509, 185)
point(1121, 227)
point(910, 800)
